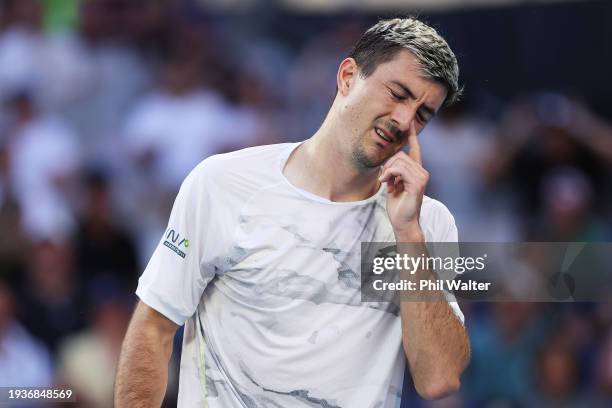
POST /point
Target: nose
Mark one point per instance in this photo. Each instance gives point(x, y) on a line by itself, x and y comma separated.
point(403, 115)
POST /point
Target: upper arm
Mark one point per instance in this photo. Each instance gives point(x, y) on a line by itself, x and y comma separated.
point(185, 260)
point(149, 319)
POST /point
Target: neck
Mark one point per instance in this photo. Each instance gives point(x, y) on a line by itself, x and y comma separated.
point(323, 166)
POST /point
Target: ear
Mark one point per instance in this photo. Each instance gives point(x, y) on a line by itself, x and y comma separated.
point(347, 72)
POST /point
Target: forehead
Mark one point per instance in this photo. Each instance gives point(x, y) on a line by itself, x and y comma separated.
point(405, 68)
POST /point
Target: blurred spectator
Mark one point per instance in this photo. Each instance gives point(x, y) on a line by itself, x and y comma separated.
point(534, 143)
point(557, 377)
point(24, 49)
point(13, 243)
point(21, 45)
point(168, 133)
point(53, 304)
point(603, 379)
point(311, 86)
point(455, 147)
point(102, 247)
point(88, 360)
point(176, 126)
point(24, 361)
point(254, 92)
point(568, 213)
point(113, 74)
point(43, 157)
point(255, 114)
point(504, 344)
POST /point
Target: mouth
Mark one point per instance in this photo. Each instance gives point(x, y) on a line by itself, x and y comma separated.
point(384, 135)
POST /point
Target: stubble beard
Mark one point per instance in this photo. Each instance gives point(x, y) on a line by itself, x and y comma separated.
point(362, 160)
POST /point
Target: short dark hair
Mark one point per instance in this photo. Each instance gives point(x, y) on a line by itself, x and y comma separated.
point(381, 42)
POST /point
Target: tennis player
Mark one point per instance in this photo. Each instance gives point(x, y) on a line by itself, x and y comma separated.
point(261, 258)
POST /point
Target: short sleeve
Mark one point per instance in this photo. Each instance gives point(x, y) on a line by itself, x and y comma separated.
point(446, 235)
point(452, 236)
point(179, 271)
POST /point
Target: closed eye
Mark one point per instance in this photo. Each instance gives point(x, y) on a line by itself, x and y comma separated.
point(429, 111)
point(397, 96)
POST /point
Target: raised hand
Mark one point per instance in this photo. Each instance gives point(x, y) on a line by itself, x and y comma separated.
point(406, 181)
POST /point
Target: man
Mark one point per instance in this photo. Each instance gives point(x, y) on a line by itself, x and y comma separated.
point(261, 256)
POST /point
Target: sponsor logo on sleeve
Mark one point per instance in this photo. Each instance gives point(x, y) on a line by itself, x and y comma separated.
point(175, 242)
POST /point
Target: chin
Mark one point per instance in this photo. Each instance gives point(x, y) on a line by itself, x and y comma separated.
point(365, 159)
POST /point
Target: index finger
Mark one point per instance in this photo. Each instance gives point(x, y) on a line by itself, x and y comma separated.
point(413, 144)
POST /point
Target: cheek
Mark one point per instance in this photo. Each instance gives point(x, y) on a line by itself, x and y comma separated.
point(364, 105)
point(357, 109)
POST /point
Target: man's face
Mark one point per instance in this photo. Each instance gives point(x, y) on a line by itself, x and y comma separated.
point(379, 109)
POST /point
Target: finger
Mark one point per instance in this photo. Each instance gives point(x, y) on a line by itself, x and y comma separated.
point(412, 164)
point(390, 162)
point(403, 158)
point(401, 170)
point(413, 143)
point(400, 176)
point(391, 183)
point(388, 176)
point(400, 156)
point(393, 159)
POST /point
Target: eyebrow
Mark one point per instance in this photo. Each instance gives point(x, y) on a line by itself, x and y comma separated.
point(407, 90)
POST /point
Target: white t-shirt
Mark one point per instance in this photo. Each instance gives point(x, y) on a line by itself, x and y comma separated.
point(266, 278)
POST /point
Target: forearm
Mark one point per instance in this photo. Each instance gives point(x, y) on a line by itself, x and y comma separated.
point(436, 346)
point(435, 342)
point(142, 373)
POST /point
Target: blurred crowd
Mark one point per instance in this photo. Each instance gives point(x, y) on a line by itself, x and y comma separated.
point(106, 105)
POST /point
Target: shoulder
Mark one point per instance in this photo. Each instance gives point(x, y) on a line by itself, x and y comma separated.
point(437, 221)
point(242, 160)
point(241, 169)
point(436, 211)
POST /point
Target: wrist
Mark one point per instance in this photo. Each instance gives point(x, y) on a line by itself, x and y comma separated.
point(410, 233)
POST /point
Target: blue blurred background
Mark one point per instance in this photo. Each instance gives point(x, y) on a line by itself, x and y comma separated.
point(105, 105)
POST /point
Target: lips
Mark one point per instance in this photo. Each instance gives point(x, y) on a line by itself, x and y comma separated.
point(386, 136)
